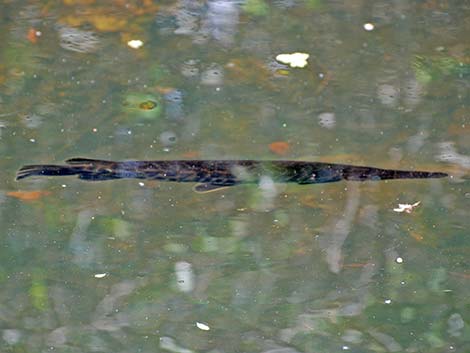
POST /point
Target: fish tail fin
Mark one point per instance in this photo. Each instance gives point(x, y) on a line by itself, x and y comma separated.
point(45, 170)
point(85, 168)
point(99, 169)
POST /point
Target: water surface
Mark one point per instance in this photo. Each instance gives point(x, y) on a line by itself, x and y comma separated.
point(132, 266)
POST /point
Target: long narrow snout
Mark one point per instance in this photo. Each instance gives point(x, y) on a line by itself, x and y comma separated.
point(369, 173)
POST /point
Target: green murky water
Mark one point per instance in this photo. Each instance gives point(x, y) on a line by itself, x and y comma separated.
point(125, 266)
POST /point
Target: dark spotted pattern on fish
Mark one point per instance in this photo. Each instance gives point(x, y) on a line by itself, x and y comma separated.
point(220, 172)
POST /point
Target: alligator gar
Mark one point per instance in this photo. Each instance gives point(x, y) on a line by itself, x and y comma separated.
point(215, 174)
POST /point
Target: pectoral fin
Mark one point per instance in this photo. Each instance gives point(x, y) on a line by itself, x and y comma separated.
point(203, 188)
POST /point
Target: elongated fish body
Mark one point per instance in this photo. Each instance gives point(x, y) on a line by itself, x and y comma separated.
point(213, 174)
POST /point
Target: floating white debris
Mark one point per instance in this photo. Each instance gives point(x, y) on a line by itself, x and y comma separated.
point(399, 260)
point(387, 301)
point(406, 207)
point(294, 59)
point(135, 43)
point(100, 275)
point(369, 27)
point(202, 326)
point(141, 184)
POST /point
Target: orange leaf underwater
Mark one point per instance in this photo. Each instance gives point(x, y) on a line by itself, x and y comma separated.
point(191, 154)
point(33, 35)
point(28, 195)
point(281, 148)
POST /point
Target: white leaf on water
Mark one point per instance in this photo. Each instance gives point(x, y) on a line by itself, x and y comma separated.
point(202, 326)
point(406, 207)
point(135, 43)
point(294, 59)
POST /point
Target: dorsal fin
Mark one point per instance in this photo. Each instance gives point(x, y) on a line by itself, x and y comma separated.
point(80, 160)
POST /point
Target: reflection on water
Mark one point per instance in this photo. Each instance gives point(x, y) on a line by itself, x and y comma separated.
point(77, 40)
point(340, 231)
point(143, 266)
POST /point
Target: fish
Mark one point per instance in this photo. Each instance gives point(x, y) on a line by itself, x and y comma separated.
point(212, 175)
